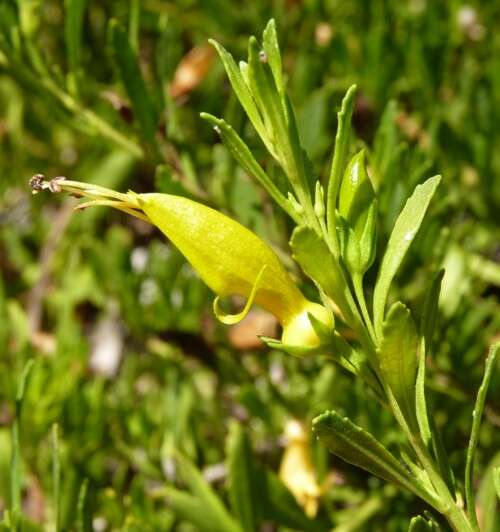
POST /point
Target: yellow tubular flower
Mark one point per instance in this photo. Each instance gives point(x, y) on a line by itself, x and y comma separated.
point(229, 258)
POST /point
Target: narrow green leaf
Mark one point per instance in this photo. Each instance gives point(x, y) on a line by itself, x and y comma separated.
point(357, 517)
point(21, 386)
point(56, 476)
point(405, 229)
point(358, 447)
point(263, 89)
point(398, 358)
point(83, 514)
point(431, 309)
point(272, 51)
point(213, 508)
point(73, 27)
point(477, 414)
point(188, 508)
point(243, 489)
point(386, 145)
point(339, 157)
point(240, 151)
point(15, 464)
point(368, 240)
point(429, 434)
point(134, 20)
point(488, 496)
point(133, 81)
point(242, 92)
point(496, 480)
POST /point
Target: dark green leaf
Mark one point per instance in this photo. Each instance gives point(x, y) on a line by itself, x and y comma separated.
point(242, 482)
point(73, 26)
point(430, 312)
point(133, 81)
point(358, 447)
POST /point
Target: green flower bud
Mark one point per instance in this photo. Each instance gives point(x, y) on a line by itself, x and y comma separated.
point(357, 216)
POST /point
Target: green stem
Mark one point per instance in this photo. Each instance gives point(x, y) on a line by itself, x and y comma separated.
point(476, 424)
point(357, 281)
point(448, 508)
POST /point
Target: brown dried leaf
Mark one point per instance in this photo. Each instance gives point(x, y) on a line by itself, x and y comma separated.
point(192, 70)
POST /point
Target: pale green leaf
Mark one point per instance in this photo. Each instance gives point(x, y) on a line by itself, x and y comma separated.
point(405, 229)
point(496, 480)
point(241, 90)
point(189, 508)
point(272, 50)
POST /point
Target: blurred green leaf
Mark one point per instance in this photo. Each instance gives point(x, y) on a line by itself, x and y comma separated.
point(243, 485)
point(133, 82)
point(214, 512)
point(73, 29)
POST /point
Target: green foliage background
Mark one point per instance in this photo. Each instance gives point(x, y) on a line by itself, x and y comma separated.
point(74, 101)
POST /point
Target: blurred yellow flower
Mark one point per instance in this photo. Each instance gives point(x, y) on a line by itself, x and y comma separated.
point(296, 469)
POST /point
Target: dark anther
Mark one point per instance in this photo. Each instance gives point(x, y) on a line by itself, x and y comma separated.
point(262, 56)
point(36, 182)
